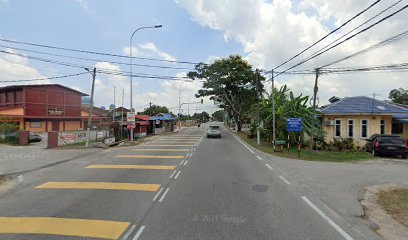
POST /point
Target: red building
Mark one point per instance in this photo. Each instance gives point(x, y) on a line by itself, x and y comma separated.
point(42, 108)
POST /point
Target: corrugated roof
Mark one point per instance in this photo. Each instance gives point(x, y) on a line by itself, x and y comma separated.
point(163, 117)
point(143, 117)
point(12, 87)
point(362, 104)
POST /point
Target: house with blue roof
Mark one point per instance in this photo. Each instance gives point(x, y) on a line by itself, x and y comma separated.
point(360, 117)
point(163, 122)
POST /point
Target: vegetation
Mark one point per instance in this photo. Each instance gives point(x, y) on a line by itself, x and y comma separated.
point(154, 110)
point(201, 117)
point(399, 95)
point(231, 82)
point(218, 115)
point(395, 203)
point(7, 126)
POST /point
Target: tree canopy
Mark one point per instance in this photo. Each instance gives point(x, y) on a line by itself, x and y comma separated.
point(399, 95)
point(153, 110)
point(218, 115)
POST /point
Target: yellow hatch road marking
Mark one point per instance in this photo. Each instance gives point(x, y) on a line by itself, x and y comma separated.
point(101, 185)
point(170, 145)
point(63, 226)
point(145, 167)
point(160, 150)
point(146, 156)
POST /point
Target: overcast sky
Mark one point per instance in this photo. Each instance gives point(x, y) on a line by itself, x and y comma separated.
point(266, 33)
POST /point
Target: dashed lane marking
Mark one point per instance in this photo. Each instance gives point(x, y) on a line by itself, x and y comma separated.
point(129, 232)
point(177, 175)
point(100, 186)
point(284, 179)
point(173, 173)
point(63, 226)
point(164, 195)
point(146, 156)
point(185, 163)
point(269, 166)
point(143, 167)
point(158, 194)
point(139, 233)
point(259, 158)
point(181, 162)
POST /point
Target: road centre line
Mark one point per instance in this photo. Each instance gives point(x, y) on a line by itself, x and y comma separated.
point(173, 173)
point(143, 167)
point(129, 232)
point(139, 233)
point(157, 194)
point(181, 162)
point(283, 179)
point(100, 186)
point(269, 166)
point(164, 195)
point(185, 163)
point(259, 157)
point(147, 156)
point(177, 175)
point(327, 219)
point(58, 226)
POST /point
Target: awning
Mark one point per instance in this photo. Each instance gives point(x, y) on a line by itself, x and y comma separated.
point(400, 118)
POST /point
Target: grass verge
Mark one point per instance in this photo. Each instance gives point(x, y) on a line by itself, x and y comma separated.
point(395, 203)
point(322, 156)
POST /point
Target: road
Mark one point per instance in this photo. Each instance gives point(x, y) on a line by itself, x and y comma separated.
point(180, 186)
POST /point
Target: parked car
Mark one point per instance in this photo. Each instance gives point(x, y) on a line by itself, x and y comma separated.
point(214, 131)
point(32, 137)
point(383, 144)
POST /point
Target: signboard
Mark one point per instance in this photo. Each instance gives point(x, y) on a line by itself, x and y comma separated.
point(294, 124)
point(130, 117)
point(131, 125)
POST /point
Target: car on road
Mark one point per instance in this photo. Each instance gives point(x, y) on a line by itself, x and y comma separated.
point(32, 137)
point(214, 131)
point(384, 144)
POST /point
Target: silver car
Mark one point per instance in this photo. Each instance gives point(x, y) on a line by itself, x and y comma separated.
point(214, 131)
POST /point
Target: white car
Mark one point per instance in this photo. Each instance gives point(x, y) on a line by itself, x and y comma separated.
point(214, 131)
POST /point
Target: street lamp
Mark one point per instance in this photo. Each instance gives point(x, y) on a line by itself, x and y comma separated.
point(131, 74)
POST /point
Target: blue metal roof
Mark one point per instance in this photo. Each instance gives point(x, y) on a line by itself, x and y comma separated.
point(362, 104)
point(163, 117)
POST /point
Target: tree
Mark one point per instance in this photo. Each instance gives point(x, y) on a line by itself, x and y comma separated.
point(231, 82)
point(399, 95)
point(219, 115)
point(201, 117)
point(153, 110)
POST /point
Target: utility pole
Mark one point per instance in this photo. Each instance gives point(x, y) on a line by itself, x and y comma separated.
point(273, 112)
point(114, 104)
point(150, 107)
point(121, 121)
point(315, 89)
point(88, 130)
point(258, 134)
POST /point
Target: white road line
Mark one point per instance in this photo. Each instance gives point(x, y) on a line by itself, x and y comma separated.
point(129, 232)
point(191, 154)
point(139, 233)
point(185, 163)
point(157, 194)
point(164, 195)
point(283, 179)
point(173, 173)
point(194, 149)
point(181, 162)
point(259, 157)
point(242, 143)
point(177, 175)
point(327, 219)
point(269, 166)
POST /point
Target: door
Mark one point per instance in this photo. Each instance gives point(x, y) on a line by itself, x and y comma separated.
point(55, 125)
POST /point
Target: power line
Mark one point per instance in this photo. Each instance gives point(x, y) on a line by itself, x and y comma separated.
point(96, 60)
point(93, 52)
point(333, 31)
point(345, 40)
point(46, 78)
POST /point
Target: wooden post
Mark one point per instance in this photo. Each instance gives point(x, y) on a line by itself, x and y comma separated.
point(299, 147)
point(288, 142)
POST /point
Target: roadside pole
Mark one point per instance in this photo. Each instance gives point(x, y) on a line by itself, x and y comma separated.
point(121, 121)
point(315, 89)
point(114, 104)
point(258, 134)
point(273, 112)
point(88, 130)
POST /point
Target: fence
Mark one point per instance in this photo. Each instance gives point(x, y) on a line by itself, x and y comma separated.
point(80, 136)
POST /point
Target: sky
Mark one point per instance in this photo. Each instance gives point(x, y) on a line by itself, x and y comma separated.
point(265, 33)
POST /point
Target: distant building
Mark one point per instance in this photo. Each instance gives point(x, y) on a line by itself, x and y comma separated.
point(360, 117)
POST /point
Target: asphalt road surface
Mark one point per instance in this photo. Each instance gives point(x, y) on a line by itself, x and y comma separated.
point(180, 186)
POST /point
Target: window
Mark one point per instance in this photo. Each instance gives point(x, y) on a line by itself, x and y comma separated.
point(337, 128)
point(364, 128)
point(35, 124)
point(382, 126)
point(350, 128)
point(397, 128)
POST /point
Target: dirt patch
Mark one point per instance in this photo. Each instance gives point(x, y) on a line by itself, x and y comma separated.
point(395, 203)
point(388, 227)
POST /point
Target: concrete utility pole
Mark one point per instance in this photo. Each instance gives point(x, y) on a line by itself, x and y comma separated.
point(121, 121)
point(315, 89)
point(273, 111)
point(150, 107)
point(258, 134)
point(88, 130)
point(114, 104)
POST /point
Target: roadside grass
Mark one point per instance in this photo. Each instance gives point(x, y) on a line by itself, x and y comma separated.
point(322, 156)
point(395, 203)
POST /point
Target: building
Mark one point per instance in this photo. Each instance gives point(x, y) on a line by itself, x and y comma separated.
point(42, 108)
point(360, 117)
point(163, 122)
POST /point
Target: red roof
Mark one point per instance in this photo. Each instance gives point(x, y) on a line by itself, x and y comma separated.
point(142, 123)
point(143, 117)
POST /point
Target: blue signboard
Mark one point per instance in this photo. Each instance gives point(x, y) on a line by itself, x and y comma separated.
point(294, 124)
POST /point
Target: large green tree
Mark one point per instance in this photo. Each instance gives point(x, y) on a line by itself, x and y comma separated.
point(219, 115)
point(201, 117)
point(231, 82)
point(153, 110)
point(399, 95)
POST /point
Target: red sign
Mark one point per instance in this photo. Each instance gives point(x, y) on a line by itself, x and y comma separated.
point(131, 125)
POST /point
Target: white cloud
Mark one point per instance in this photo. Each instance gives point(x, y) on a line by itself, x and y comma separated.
point(270, 32)
point(148, 50)
point(84, 5)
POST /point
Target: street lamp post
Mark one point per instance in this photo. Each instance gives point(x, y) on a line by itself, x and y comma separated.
point(131, 74)
point(179, 110)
